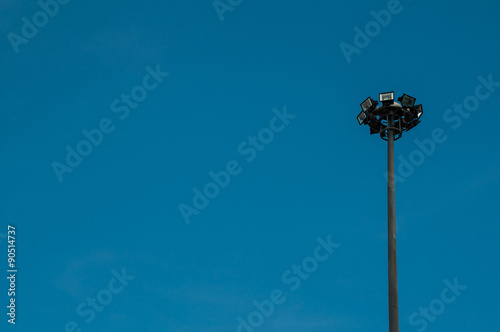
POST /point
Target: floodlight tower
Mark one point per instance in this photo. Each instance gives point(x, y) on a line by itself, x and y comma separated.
point(390, 121)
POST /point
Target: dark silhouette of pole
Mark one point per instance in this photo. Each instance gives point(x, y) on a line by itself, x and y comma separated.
point(390, 121)
point(391, 233)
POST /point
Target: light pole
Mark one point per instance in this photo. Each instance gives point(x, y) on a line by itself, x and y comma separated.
point(390, 121)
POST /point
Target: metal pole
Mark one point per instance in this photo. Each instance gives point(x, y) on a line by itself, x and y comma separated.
point(391, 223)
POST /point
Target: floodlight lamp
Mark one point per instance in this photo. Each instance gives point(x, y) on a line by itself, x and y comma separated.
point(375, 127)
point(407, 115)
point(362, 117)
point(386, 97)
point(407, 100)
point(420, 110)
point(368, 104)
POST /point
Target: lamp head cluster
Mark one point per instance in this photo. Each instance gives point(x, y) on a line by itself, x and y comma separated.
point(398, 117)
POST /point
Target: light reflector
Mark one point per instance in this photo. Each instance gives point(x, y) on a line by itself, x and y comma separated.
point(386, 97)
point(361, 117)
point(368, 104)
point(408, 115)
point(407, 100)
point(420, 110)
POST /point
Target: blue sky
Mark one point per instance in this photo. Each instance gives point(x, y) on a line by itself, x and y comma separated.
point(206, 82)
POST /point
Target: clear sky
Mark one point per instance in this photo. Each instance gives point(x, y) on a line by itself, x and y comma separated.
point(183, 166)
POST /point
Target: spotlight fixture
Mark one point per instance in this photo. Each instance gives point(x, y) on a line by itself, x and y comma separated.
point(375, 127)
point(386, 98)
point(406, 100)
point(362, 117)
point(368, 104)
point(420, 110)
point(407, 112)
